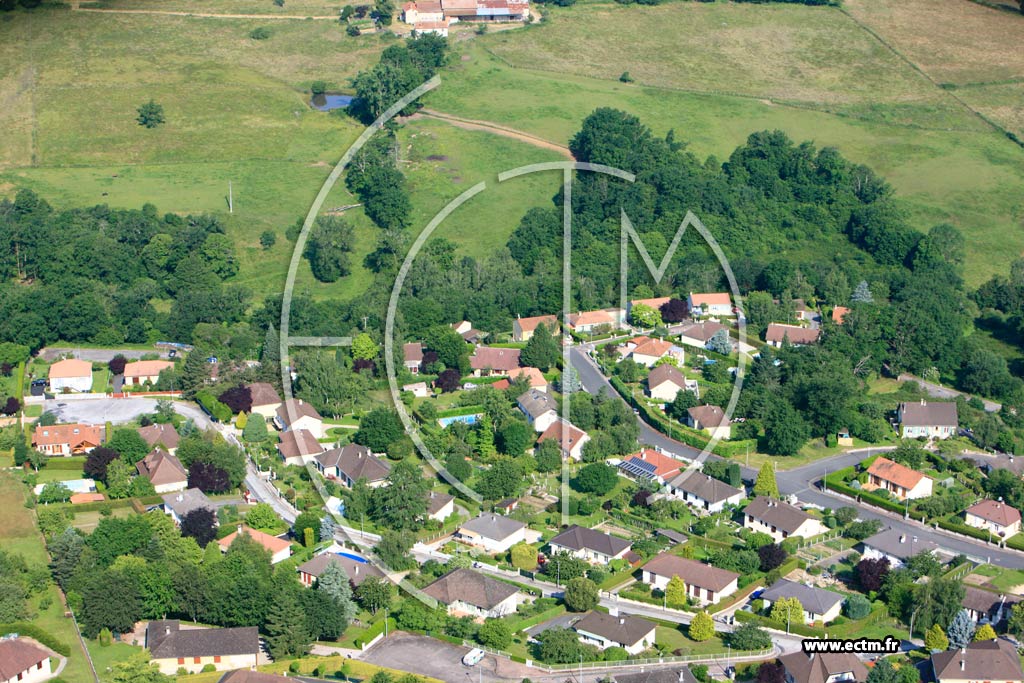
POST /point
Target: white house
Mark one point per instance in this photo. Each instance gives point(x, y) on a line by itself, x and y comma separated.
point(651, 351)
point(297, 414)
point(710, 419)
point(831, 667)
point(191, 648)
point(704, 492)
point(571, 438)
point(928, 420)
point(412, 354)
point(440, 506)
point(353, 462)
point(819, 605)
point(265, 400)
point(650, 465)
point(66, 440)
point(298, 447)
point(523, 328)
point(142, 371)
point(778, 333)
point(664, 382)
point(704, 583)
point(466, 592)
point(699, 334)
point(70, 374)
point(986, 660)
point(540, 409)
point(997, 517)
point(897, 479)
point(179, 504)
point(23, 661)
point(591, 545)
point(417, 389)
point(711, 304)
point(164, 471)
point(632, 634)
point(494, 533)
point(780, 520)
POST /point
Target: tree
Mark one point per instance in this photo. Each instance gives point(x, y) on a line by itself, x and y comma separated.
point(285, 627)
point(720, 343)
point(862, 294)
point(109, 600)
point(772, 555)
point(449, 380)
point(675, 592)
point(514, 437)
point(984, 632)
point(645, 316)
point(858, 531)
point(541, 351)
point(674, 311)
point(127, 442)
point(750, 637)
point(596, 478)
point(935, 639)
point(328, 527)
point(1015, 624)
point(559, 646)
point(194, 373)
point(335, 583)
point(524, 556)
point(787, 611)
point(327, 248)
point(765, 484)
point(871, 573)
point(785, 430)
point(306, 520)
point(54, 492)
point(150, 114)
point(373, 594)
point(208, 478)
point(97, 461)
point(771, 672)
point(960, 630)
point(255, 429)
point(882, 672)
point(402, 504)
point(138, 669)
point(383, 12)
point(857, 606)
point(379, 428)
point(681, 404)
point(501, 480)
point(268, 238)
point(495, 633)
point(548, 456)
point(200, 524)
point(364, 348)
point(261, 516)
point(564, 567)
point(581, 595)
point(702, 627)
point(11, 406)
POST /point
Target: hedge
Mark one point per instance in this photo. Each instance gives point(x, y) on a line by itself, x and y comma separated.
point(32, 631)
point(72, 464)
point(865, 496)
point(460, 412)
point(955, 524)
point(799, 629)
point(376, 630)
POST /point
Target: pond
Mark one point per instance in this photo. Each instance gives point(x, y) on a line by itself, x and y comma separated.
point(328, 101)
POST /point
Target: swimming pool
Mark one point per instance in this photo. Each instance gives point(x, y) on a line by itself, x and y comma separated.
point(468, 419)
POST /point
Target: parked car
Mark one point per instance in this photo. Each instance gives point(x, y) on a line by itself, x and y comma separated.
point(473, 657)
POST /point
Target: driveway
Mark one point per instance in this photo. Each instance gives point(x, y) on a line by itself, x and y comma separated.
point(118, 410)
point(561, 621)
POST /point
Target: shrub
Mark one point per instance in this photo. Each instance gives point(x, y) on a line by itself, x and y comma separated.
point(150, 114)
point(260, 33)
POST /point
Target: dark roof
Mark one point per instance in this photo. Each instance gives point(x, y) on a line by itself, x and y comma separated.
point(673, 536)
point(17, 655)
point(665, 373)
point(436, 501)
point(184, 502)
point(691, 572)
point(898, 544)
point(579, 537)
point(704, 487)
point(160, 467)
point(987, 602)
point(470, 587)
point(624, 628)
point(776, 513)
point(297, 442)
point(356, 571)
point(536, 402)
point(988, 660)
point(494, 358)
point(412, 352)
point(246, 676)
point(658, 676)
point(925, 414)
point(708, 416)
point(818, 668)
point(702, 331)
point(492, 526)
point(160, 434)
point(263, 394)
point(355, 462)
point(813, 599)
point(166, 640)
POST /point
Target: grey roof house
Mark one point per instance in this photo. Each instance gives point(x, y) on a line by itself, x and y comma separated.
point(465, 591)
point(819, 605)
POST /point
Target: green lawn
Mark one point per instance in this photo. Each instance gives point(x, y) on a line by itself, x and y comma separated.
point(675, 639)
point(1007, 579)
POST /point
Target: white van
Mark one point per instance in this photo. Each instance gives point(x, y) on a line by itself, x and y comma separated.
point(473, 657)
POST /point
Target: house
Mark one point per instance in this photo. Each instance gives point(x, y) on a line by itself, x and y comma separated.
point(711, 304)
point(653, 350)
point(265, 400)
point(928, 420)
point(711, 419)
point(179, 504)
point(70, 374)
point(699, 334)
point(24, 661)
point(66, 440)
point(413, 356)
point(417, 389)
point(142, 371)
point(777, 333)
point(588, 322)
point(704, 492)
point(161, 436)
point(280, 549)
point(986, 660)
point(440, 506)
point(353, 462)
point(704, 583)
point(805, 313)
point(593, 546)
point(819, 604)
point(683, 675)
point(523, 328)
point(465, 328)
point(487, 10)
point(540, 409)
point(249, 676)
point(780, 520)
point(298, 447)
point(488, 360)
point(839, 314)
point(494, 533)
point(357, 571)
point(650, 465)
point(466, 592)
point(506, 506)
point(534, 377)
point(826, 667)
point(664, 382)
point(409, 13)
point(297, 414)
point(428, 10)
point(173, 647)
point(985, 606)
point(571, 438)
point(656, 303)
point(895, 546)
point(897, 479)
point(997, 517)
point(437, 28)
point(163, 470)
point(632, 634)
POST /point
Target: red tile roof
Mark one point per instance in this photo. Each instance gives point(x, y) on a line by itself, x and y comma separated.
point(893, 472)
point(271, 543)
point(71, 367)
point(74, 434)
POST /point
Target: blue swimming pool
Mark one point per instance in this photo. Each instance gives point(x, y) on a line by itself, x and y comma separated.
point(468, 419)
point(350, 556)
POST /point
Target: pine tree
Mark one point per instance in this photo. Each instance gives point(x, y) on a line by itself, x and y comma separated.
point(286, 627)
point(541, 350)
point(194, 373)
point(255, 430)
point(765, 485)
point(335, 583)
point(675, 592)
point(241, 421)
point(935, 639)
point(960, 630)
point(327, 528)
point(702, 627)
point(862, 294)
point(985, 632)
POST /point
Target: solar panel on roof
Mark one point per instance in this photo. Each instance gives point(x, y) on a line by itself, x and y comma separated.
point(638, 468)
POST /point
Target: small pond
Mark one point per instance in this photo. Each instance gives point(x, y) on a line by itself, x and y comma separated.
point(328, 101)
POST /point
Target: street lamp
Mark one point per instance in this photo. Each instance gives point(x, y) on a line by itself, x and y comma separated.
point(581, 667)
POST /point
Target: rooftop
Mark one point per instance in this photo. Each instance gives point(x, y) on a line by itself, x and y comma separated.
point(988, 660)
point(489, 357)
point(160, 435)
point(492, 526)
point(294, 409)
point(893, 472)
point(271, 543)
point(17, 655)
point(925, 414)
point(994, 511)
point(536, 402)
point(704, 487)
point(167, 640)
point(263, 394)
point(160, 467)
point(820, 667)
point(579, 537)
point(813, 599)
point(625, 629)
point(708, 416)
point(665, 373)
point(146, 368)
point(355, 462)
point(710, 299)
point(649, 463)
point(470, 587)
point(530, 324)
point(184, 502)
point(356, 571)
point(412, 352)
point(777, 332)
point(691, 572)
point(69, 368)
point(776, 513)
point(74, 434)
point(298, 442)
point(898, 544)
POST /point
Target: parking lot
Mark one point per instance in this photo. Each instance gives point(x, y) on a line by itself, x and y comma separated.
point(117, 410)
point(438, 659)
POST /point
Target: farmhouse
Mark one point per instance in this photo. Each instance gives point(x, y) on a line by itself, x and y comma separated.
point(23, 661)
point(702, 491)
point(895, 546)
point(819, 605)
point(440, 506)
point(142, 371)
point(699, 334)
point(523, 328)
point(590, 545)
point(704, 583)
point(173, 647)
point(823, 667)
point(540, 409)
point(161, 435)
point(357, 571)
point(570, 437)
point(648, 464)
point(897, 479)
point(632, 634)
point(711, 304)
point(163, 470)
point(66, 440)
point(265, 400)
point(664, 382)
point(280, 549)
point(928, 420)
point(780, 520)
point(179, 504)
point(413, 355)
point(987, 660)
point(437, 28)
point(70, 374)
point(999, 518)
point(488, 360)
point(466, 592)
point(297, 414)
point(711, 419)
point(298, 447)
point(353, 462)
point(778, 333)
point(494, 533)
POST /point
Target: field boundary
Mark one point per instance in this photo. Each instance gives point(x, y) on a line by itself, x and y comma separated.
point(202, 15)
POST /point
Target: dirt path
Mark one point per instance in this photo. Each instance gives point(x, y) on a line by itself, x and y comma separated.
point(487, 126)
point(171, 13)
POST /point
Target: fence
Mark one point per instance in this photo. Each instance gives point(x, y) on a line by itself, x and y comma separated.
point(742, 655)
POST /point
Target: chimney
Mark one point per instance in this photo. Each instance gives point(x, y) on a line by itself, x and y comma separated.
point(903, 538)
point(167, 629)
point(613, 611)
point(622, 621)
point(914, 540)
point(961, 663)
point(180, 498)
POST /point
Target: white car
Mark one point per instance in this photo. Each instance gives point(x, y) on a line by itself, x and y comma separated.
point(473, 657)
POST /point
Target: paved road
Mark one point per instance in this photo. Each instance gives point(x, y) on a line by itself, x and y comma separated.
point(938, 391)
